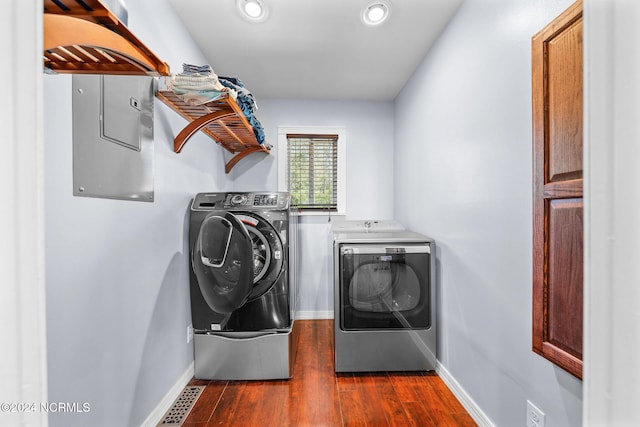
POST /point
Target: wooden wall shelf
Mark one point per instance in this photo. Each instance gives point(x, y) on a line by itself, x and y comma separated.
point(222, 120)
point(84, 37)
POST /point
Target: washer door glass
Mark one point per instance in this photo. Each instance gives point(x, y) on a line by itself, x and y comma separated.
point(223, 262)
point(268, 253)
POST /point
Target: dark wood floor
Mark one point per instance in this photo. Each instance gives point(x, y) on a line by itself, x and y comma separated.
point(317, 396)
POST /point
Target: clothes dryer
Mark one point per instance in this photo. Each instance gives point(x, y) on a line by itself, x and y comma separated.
point(384, 298)
point(242, 299)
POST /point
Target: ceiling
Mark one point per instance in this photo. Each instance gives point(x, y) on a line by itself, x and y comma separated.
point(316, 49)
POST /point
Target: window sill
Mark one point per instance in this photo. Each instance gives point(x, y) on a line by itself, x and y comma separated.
point(319, 213)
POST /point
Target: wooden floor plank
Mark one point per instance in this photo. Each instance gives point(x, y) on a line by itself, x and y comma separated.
point(418, 415)
point(314, 390)
point(452, 404)
point(434, 404)
point(390, 402)
point(247, 405)
point(352, 411)
point(346, 381)
point(373, 411)
point(405, 385)
point(224, 413)
point(206, 403)
point(274, 407)
point(317, 396)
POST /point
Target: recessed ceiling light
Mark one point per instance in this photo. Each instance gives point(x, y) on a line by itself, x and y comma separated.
point(252, 10)
point(376, 12)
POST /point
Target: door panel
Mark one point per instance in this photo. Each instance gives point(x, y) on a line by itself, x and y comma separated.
point(564, 101)
point(557, 191)
point(565, 275)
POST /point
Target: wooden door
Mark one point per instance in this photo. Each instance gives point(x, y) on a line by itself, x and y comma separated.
point(557, 191)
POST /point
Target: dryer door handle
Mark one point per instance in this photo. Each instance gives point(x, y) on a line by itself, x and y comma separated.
point(376, 249)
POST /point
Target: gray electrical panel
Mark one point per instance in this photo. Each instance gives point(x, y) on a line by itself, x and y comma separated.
point(113, 137)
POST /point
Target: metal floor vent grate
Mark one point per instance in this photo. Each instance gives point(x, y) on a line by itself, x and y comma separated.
point(177, 414)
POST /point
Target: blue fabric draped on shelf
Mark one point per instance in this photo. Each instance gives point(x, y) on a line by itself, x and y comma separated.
point(247, 103)
point(199, 84)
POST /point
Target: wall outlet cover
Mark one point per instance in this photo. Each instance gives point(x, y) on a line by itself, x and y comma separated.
point(189, 334)
point(535, 417)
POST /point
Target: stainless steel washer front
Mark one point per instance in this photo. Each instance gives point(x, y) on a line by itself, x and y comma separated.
point(242, 298)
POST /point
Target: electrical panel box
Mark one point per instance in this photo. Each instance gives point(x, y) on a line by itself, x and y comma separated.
point(113, 137)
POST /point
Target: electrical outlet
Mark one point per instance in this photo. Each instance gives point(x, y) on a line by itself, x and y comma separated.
point(535, 417)
point(189, 333)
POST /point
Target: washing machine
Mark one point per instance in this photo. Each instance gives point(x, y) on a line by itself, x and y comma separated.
point(242, 297)
point(384, 298)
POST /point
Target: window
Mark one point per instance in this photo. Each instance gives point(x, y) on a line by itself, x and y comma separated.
point(311, 167)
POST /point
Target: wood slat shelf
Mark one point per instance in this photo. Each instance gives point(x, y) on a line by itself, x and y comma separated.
point(222, 120)
point(84, 37)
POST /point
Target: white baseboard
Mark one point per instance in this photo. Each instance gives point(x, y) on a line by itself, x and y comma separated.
point(314, 315)
point(469, 404)
point(158, 412)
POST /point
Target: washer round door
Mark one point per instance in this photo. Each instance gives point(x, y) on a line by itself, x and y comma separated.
point(223, 262)
point(268, 253)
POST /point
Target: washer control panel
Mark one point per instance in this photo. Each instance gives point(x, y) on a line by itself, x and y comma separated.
point(265, 200)
point(236, 200)
point(249, 201)
point(257, 200)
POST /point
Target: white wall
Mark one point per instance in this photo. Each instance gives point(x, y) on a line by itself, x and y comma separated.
point(23, 361)
point(369, 134)
point(117, 271)
point(612, 207)
point(463, 176)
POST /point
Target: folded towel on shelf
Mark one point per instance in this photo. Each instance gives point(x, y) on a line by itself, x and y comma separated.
point(196, 69)
point(198, 84)
point(198, 97)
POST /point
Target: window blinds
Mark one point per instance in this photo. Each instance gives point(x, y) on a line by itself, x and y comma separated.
point(313, 171)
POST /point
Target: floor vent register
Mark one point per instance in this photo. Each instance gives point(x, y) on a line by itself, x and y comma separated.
point(177, 414)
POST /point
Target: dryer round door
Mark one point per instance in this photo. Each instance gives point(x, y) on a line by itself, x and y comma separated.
point(223, 261)
point(268, 253)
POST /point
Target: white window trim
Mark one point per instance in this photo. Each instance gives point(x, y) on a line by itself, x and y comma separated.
point(283, 131)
